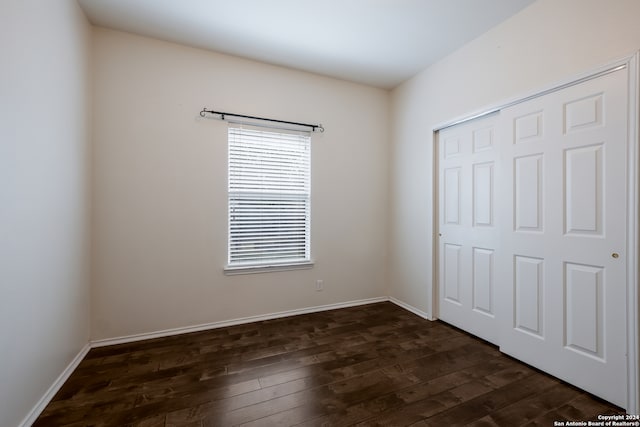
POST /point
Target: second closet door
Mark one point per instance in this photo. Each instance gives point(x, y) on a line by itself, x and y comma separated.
point(468, 236)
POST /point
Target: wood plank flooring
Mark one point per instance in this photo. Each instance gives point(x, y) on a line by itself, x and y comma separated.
point(373, 365)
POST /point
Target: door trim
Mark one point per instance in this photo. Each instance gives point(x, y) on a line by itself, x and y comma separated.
point(633, 384)
point(632, 64)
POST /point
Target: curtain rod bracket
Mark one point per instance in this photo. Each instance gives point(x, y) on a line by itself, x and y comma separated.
point(222, 115)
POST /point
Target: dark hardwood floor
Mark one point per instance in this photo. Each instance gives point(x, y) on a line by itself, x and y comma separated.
point(373, 365)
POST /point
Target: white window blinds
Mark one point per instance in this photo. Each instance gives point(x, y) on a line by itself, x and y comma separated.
point(269, 197)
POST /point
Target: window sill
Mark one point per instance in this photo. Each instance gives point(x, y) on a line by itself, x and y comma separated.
point(266, 268)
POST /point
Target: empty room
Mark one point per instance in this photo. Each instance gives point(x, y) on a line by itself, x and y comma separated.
point(346, 212)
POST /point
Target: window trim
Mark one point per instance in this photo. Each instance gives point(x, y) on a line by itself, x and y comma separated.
point(232, 270)
point(268, 265)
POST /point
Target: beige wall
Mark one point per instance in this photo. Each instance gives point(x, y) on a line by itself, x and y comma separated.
point(547, 42)
point(160, 186)
point(44, 210)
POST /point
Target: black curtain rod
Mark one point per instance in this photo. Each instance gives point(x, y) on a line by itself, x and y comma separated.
point(223, 114)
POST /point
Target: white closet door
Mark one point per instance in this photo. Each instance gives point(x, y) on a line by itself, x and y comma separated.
point(467, 226)
point(562, 265)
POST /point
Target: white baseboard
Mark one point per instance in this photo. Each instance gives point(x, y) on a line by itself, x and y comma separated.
point(35, 412)
point(232, 322)
point(410, 308)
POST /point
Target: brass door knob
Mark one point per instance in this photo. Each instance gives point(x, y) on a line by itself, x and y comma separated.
point(615, 255)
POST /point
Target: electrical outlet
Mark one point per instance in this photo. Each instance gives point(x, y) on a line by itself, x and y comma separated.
point(319, 285)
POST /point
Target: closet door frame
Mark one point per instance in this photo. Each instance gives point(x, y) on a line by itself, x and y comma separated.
point(631, 63)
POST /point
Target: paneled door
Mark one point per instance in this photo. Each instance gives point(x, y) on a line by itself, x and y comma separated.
point(561, 292)
point(467, 225)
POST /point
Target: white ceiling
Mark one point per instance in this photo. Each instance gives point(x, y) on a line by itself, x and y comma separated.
point(375, 42)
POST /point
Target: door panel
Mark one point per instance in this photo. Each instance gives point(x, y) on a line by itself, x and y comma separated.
point(529, 295)
point(528, 193)
point(483, 280)
point(584, 297)
point(452, 273)
point(483, 194)
point(452, 196)
point(583, 192)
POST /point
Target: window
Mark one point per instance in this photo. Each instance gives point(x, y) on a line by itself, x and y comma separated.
point(269, 198)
